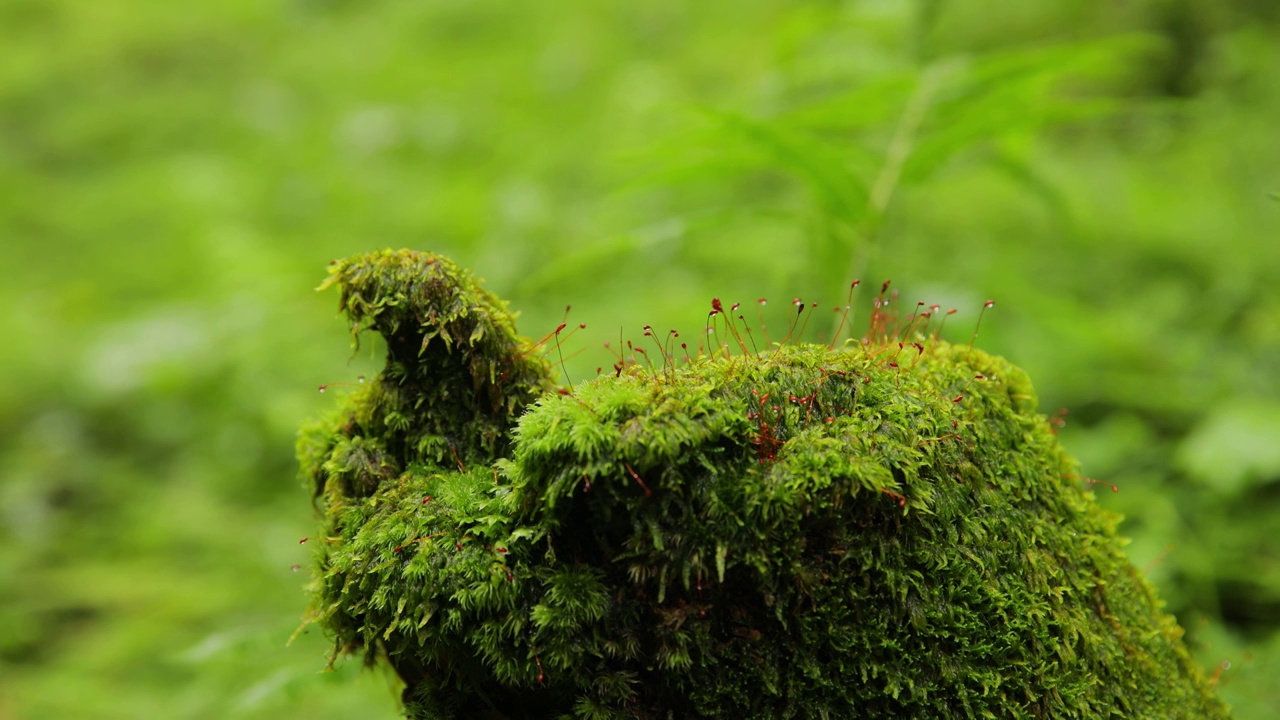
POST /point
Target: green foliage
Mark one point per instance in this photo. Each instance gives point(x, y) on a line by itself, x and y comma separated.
point(886, 529)
point(172, 177)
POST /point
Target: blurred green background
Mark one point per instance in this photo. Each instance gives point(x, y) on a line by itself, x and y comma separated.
point(175, 177)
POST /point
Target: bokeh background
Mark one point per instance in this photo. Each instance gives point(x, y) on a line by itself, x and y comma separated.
point(175, 177)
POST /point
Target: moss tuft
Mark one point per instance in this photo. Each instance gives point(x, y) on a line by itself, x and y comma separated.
point(457, 375)
point(799, 533)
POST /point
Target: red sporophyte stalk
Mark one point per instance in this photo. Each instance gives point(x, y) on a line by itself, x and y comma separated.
point(805, 324)
point(976, 327)
point(902, 500)
point(879, 316)
point(665, 347)
point(1092, 481)
point(750, 338)
point(965, 389)
point(560, 342)
point(844, 316)
point(648, 332)
point(457, 457)
point(716, 309)
point(543, 341)
point(358, 383)
point(634, 474)
point(728, 322)
point(1058, 420)
point(799, 306)
point(1218, 669)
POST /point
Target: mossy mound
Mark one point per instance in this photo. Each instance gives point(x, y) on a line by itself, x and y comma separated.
point(872, 531)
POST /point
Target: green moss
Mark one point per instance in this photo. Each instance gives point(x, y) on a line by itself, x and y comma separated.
point(802, 533)
point(457, 375)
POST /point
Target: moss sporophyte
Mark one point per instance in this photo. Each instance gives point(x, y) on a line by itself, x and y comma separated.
point(874, 529)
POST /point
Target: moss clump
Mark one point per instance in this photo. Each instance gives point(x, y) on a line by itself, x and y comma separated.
point(456, 379)
point(799, 533)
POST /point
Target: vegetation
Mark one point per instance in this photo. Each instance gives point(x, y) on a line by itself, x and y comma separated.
point(173, 177)
point(884, 529)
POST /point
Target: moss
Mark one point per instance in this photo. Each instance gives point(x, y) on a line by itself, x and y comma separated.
point(800, 533)
point(457, 375)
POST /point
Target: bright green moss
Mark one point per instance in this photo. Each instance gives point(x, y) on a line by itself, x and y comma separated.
point(802, 533)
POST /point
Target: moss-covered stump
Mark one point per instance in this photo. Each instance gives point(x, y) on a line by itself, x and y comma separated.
point(873, 531)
